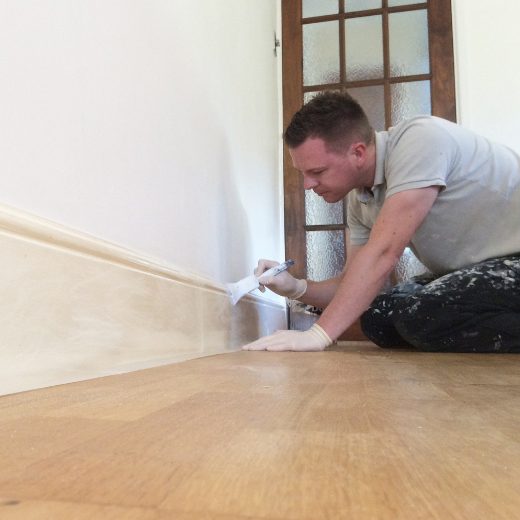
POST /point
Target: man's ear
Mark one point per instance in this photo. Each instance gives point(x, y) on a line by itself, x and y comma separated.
point(359, 149)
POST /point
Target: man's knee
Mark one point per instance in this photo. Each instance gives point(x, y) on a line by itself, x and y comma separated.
point(377, 323)
point(420, 335)
point(375, 327)
point(425, 321)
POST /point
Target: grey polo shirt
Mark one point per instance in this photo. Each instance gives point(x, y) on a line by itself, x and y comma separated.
point(477, 212)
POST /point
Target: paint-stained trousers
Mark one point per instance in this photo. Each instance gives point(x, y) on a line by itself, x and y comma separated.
point(475, 309)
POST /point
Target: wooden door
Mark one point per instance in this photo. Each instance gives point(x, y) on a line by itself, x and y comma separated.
point(395, 57)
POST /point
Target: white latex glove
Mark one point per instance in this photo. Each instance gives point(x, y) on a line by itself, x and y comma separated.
point(283, 284)
point(313, 340)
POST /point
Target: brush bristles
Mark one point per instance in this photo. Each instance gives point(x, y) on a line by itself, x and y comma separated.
point(231, 289)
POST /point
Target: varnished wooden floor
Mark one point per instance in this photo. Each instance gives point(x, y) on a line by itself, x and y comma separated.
point(355, 433)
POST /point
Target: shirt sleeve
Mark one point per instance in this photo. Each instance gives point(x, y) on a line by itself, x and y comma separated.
point(418, 156)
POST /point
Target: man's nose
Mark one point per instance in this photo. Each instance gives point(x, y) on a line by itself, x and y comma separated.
point(308, 183)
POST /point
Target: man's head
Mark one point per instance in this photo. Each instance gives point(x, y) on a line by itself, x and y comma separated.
point(335, 117)
point(332, 144)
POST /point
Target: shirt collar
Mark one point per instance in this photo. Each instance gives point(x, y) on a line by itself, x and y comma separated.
point(365, 195)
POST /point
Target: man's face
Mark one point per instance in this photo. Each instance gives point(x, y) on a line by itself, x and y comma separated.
point(330, 174)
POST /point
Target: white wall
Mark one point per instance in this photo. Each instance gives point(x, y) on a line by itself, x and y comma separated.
point(487, 40)
point(155, 124)
point(150, 124)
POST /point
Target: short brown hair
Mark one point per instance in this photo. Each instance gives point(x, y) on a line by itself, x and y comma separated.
point(335, 117)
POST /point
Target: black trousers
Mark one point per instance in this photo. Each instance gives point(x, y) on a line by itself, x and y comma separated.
point(475, 309)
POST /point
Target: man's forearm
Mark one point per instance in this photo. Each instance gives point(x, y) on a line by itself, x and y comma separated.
point(320, 294)
point(398, 220)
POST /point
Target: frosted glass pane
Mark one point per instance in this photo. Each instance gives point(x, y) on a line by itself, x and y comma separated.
point(409, 43)
point(410, 99)
point(361, 5)
point(372, 99)
point(319, 7)
point(325, 254)
point(364, 48)
point(408, 266)
point(307, 96)
point(318, 212)
point(393, 3)
point(321, 53)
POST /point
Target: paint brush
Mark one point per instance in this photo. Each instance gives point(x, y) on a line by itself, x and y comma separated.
point(250, 283)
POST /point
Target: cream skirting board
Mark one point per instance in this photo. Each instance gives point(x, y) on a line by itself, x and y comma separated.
point(74, 307)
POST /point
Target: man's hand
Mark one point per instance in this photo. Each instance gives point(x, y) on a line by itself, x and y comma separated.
point(283, 284)
point(313, 340)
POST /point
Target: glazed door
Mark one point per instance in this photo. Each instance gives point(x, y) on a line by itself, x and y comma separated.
point(394, 56)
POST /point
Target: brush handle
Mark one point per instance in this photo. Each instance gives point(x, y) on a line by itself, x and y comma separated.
point(277, 269)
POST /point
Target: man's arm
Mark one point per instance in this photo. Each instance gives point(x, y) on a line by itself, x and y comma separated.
point(365, 273)
point(395, 226)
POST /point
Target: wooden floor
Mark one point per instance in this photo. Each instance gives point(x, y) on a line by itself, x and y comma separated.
point(354, 433)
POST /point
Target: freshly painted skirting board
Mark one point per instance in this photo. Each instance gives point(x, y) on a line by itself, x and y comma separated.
point(73, 307)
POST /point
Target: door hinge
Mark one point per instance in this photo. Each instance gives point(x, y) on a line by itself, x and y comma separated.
point(276, 44)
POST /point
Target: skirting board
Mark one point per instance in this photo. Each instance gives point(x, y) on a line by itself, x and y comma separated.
point(74, 307)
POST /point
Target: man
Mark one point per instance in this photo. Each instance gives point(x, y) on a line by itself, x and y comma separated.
point(450, 195)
